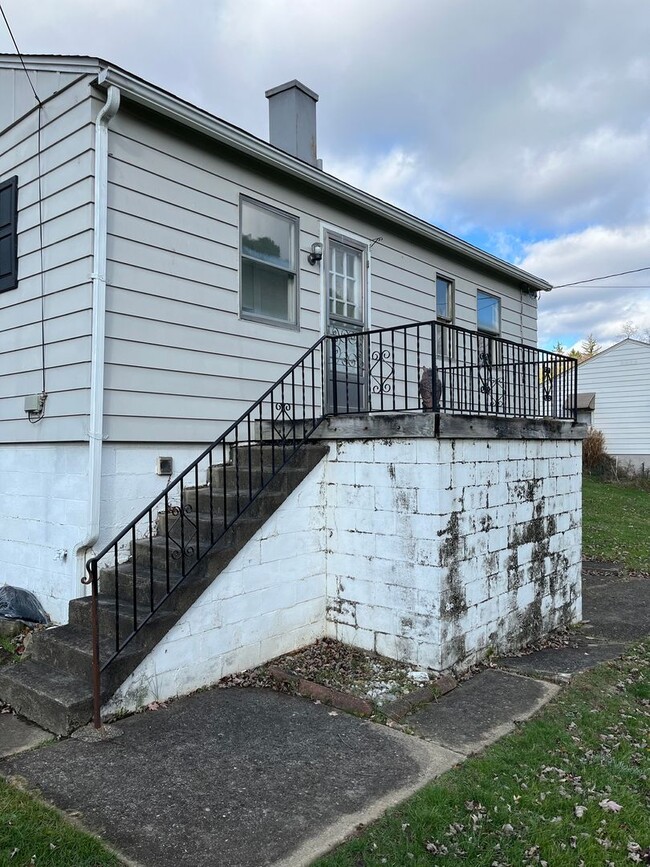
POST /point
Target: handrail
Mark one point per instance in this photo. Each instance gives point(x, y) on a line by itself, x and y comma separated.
point(186, 544)
point(438, 366)
point(430, 365)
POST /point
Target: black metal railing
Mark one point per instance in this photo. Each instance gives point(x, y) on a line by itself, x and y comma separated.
point(435, 366)
point(430, 366)
point(147, 561)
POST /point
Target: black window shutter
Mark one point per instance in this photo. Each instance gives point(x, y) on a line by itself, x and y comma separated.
point(8, 235)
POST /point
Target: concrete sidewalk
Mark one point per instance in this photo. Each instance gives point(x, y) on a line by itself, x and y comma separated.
point(253, 777)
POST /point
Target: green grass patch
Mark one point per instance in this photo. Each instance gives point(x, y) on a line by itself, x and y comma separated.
point(570, 787)
point(33, 833)
point(616, 523)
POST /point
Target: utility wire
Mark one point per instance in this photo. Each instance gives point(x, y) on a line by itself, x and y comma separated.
point(13, 39)
point(602, 277)
point(40, 203)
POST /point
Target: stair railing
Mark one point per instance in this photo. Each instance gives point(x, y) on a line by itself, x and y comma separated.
point(426, 365)
point(174, 533)
point(437, 366)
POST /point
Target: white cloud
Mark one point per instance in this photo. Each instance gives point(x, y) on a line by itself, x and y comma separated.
point(511, 122)
point(600, 307)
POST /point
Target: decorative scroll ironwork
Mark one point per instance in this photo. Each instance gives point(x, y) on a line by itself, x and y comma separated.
point(547, 383)
point(181, 514)
point(485, 373)
point(381, 371)
point(348, 356)
point(282, 415)
point(490, 376)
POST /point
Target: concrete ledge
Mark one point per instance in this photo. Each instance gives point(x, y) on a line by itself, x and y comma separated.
point(444, 426)
point(399, 708)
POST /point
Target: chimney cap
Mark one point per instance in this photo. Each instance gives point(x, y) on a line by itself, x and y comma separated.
point(288, 86)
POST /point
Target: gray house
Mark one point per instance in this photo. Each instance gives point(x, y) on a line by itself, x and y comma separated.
point(160, 270)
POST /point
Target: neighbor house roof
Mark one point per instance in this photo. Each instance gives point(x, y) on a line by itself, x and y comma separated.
point(614, 347)
point(179, 110)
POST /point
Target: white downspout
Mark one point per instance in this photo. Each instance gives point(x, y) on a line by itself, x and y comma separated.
point(96, 414)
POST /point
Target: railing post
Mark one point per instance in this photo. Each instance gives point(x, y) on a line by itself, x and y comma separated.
point(575, 390)
point(335, 397)
point(435, 390)
point(97, 721)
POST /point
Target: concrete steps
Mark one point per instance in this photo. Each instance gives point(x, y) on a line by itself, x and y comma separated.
point(53, 686)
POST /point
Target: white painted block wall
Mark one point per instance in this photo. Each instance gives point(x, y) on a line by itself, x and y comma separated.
point(429, 551)
point(442, 549)
point(44, 510)
point(269, 600)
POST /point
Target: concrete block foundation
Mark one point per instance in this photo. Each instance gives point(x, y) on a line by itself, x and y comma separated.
point(428, 541)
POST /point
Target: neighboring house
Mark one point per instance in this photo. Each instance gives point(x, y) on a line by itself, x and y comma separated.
point(181, 299)
point(617, 383)
point(174, 284)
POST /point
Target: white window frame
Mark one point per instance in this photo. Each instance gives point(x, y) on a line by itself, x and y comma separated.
point(492, 347)
point(445, 351)
point(292, 274)
point(450, 299)
point(484, 330)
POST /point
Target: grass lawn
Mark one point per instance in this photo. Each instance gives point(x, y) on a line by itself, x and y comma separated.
point(31, 833)
point(616, 523)
point(569, 788)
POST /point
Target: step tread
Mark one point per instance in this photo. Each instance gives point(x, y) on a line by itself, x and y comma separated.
point(60, 699)
point(46, 681)
point(75, 636)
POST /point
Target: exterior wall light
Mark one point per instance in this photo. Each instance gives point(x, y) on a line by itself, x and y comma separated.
point(316, 253)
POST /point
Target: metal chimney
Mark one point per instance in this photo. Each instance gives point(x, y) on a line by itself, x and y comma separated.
point(292, 120)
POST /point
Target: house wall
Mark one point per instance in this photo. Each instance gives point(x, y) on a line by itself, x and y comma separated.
point(180, 362)
point(17, 95)
point(430, 551)
point(56, 309)
point(620, 377)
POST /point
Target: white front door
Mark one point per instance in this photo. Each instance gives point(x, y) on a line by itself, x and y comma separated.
point(346, 315)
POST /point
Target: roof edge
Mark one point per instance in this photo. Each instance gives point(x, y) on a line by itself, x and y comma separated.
point(177, 109)
point(169, 105)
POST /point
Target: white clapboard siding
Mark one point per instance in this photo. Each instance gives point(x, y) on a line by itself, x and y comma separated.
point(179, 359)
point(56, 304)
point(620, 378)
point(18, 96)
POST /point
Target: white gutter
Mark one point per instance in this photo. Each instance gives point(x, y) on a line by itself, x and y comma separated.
point(195, 118)
point(96, 416)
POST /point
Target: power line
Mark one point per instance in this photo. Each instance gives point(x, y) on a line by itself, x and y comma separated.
point(13, 39)
point(40, 202)
point(602, 277)
point(616, 286)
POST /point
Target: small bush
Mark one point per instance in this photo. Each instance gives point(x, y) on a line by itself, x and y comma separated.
point(594, 454)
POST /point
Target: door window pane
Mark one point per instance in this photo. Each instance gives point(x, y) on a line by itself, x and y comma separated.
point(345, 289)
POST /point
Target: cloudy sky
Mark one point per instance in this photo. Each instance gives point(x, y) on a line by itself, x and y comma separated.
point(521, 125)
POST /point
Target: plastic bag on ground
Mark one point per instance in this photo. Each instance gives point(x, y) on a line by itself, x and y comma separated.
point(19, 604)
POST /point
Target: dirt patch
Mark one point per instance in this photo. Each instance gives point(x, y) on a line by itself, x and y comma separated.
point(344, 669)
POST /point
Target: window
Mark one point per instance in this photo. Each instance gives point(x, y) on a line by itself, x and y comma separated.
point(269, 243)
point(488, 320)
point(444, 314)
point(488, 317)
point(444, 299)
point(8, 238)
